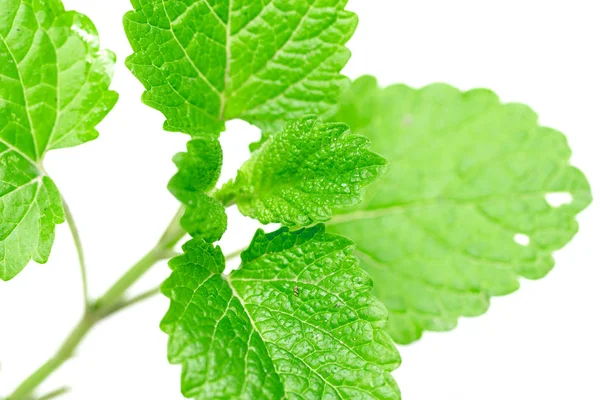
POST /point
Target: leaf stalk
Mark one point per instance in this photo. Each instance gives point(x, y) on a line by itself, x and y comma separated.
point(105, 306)
point(80, 253)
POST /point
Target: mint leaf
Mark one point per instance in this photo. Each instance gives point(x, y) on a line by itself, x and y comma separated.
point(204, 62)
point(299, 174)
point(463, 212)
point(53, 92)
point(199, 170)
point(297, 320)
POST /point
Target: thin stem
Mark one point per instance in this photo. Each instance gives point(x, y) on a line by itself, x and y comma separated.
point(64, 353)
point(132, 301)
point(174, 232)
point(54, 394)
point(115, 293)
point(152, 292)
point(163, 250)
point(80, 254)
point(233, 254)
point(100, 310)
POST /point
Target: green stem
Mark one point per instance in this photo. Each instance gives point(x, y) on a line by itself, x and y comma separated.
point(233, 254)
point(174, 232)
point(132, 301)
point(64, 353)
point(163, 250)
point(152, 292)
point(55, 393)
point(116, 292)
point(80, 254)
point(102, 308)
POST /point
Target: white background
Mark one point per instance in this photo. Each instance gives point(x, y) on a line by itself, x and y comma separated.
point(539, 343)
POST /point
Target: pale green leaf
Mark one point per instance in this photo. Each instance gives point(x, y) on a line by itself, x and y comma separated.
point(204, 62)
point(53, 92)
point(467, 206)
point(299, 174)
point(199, 170)
point(296, 321)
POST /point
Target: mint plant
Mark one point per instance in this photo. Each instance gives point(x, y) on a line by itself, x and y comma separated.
point(400, 209)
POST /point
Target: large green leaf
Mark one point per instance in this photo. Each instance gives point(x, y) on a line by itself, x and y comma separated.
point(299, 174)
point(467, 206)
point(296, 321)
point(204, 62)
point(53, 92)
point(199, 170)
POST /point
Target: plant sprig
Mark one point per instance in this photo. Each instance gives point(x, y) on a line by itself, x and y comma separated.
point(424, 202)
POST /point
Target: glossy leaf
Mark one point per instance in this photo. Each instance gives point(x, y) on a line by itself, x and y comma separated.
point(296, 321)
point(299, 174)
point(204, 62)
point(199, 170)
point(53, 92)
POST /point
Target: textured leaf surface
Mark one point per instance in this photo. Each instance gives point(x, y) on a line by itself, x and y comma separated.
point(299, 174)
point(53, 92)
point(467, 207)
point(296, 321)
point(266, 61)
point(199, 170)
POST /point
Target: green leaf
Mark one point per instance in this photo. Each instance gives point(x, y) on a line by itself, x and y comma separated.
point(299, 174)
point(53, 92)
point(199, 170)
point(297, 321)
point(463, 212)
point(204, 62)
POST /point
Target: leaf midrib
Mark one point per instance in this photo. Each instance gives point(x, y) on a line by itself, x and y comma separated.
point(224, 94)
point(20, 79)
point(235, 294)
point(401, 208)
point(226, 78)
point(38, 182)
point(187, 56)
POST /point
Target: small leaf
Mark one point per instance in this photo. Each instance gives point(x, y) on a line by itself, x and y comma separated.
point(463, 213)
point(204, 217)
point(199, 170)
point(53, 92)
point(299, 174)
point(297, 320)
point(204, 62)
